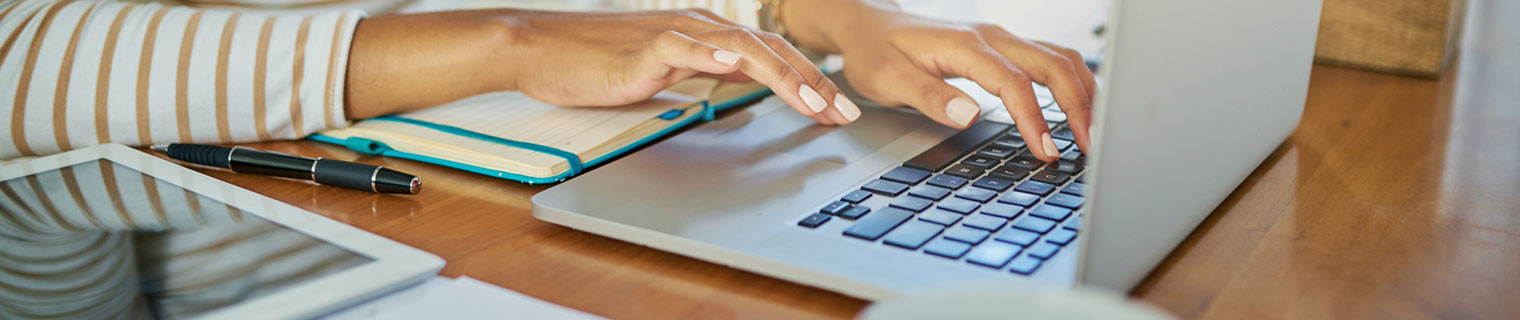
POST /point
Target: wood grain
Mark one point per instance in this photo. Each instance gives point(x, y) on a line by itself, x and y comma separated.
point(1411, 37)
point(1395, 198)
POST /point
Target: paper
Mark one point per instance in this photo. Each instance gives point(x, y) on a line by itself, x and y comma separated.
point(460, 299)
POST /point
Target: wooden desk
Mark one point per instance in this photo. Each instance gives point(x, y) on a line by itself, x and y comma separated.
point(1396, 198)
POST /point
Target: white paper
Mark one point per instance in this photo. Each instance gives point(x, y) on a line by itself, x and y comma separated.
point(463, 298)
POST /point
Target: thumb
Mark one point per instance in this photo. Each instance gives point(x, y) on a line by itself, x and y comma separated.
point(933, 97)
point(679, 51)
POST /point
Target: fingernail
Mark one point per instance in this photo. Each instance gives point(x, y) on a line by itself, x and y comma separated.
point(846, 107)
point(726, 57)
point(811, 98)
point(1050, 146)
point(962, 111)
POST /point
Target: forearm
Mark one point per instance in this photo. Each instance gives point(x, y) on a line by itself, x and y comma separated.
point(407, 62)
point(825, 25)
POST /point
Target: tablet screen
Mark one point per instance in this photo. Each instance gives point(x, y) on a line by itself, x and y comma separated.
point(101, 240)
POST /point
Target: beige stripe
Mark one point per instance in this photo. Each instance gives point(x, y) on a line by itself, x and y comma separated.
point(144, 64)
point(103, 82)
point(332, 67)
point(61, 89)
point(11, 195)
point(237, 215)
point(223, 128)
point(195, 206)
point(8, 10)
point(259, 72)
point(298, 69)
point(18, 108)
point(10, 41)
point(72, 184)
point(47, 204)
point(108, 177)
point(150, 184)
point(181, 99)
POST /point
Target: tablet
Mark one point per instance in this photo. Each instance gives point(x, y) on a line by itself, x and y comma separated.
point(107, 231)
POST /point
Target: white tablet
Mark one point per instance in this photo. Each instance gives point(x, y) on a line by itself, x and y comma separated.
point(107, 231)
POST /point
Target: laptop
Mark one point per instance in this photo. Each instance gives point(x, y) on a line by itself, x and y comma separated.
point(1195, 94)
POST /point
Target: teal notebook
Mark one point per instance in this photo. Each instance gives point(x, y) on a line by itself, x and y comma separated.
point(510, 136)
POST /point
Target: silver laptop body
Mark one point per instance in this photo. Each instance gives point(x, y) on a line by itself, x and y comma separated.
point(1196, 93)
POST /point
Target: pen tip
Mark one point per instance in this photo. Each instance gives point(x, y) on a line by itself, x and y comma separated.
point(160, 148)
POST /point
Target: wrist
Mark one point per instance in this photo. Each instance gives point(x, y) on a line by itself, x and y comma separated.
point(829, 25)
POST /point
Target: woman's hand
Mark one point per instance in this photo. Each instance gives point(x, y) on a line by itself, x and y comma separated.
point(406, 62)
point(909, 56)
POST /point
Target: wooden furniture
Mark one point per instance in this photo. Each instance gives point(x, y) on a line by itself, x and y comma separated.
point(1395, 198)
point(1410, 37)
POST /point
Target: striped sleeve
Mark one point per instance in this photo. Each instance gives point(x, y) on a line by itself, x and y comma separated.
point(79, 73)
point(744, 12)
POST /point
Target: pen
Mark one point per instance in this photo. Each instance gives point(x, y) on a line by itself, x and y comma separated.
point(324, 171)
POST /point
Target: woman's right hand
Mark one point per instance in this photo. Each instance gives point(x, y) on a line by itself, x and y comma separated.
point(406, 62)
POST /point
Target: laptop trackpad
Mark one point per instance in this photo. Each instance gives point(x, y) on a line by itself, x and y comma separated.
point(781, 129)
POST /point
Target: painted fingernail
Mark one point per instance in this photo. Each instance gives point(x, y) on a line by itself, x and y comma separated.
point(846, 107)
point(962, 111)
point(726, 57)
point(811, 98)
point(1050, 146)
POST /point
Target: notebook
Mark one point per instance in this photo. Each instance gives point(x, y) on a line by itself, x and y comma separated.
point(509, 135)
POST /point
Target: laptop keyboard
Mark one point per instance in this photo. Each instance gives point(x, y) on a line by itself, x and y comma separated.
point(978, 197)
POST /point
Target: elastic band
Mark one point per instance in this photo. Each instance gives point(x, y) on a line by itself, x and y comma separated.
point(576, 166)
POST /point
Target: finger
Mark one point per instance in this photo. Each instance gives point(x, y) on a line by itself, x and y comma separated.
point(767, 67)
point(928, 93)
point(1049, 68)
point(975, 60)
point(680, 51)
point(841, 109)
point(1079, 119)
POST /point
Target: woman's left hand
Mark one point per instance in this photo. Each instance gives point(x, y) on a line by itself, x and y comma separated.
point(909, 57)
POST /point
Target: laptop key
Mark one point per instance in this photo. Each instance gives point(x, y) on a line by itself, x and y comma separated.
point(1082, 178)
point(1053, 213)
point(1061, 144)
point(814, 220)
point(835, 208)
point(966, 234)
point(873, 226)
point(913, 234)
point(1051, 177)
point(1009, 142)
point(1064, 133)
point(1059, 237)
point(976, 194)
point(1043, 250)
point(1026, 162)
point(1018, 237)
point(929, 192)
point(940, 217)
point(996, 184)
point(946, 248)
point(981, 161)
point(1035, 224)
point(856, 196)
point(1002, 210)
point(941, 155)
point(965, 171)
point(1065, 200)
point(1073, 155)
point(1075, 188)
point(906, 175)
point(958, 205)
point(912, 203)
point(984, 222)
point(948, 181)
point(993, 254)
point(855, 212)
point(1035, 187)
point(1074, 225)
point(997, 151)
point(1019, 199)
point(1065, 166)
point(1025, 265)
point(885, 187)
point(1009, 172)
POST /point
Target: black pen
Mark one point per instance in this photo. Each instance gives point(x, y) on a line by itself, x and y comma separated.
point(325, 171)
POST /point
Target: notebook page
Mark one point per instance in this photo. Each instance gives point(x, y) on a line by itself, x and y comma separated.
point(514, 116)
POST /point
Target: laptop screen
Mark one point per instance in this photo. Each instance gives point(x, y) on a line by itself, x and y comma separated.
point(101, 240)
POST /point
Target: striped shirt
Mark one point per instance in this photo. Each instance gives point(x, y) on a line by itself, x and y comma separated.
point(76, 73)
point(79, 73)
